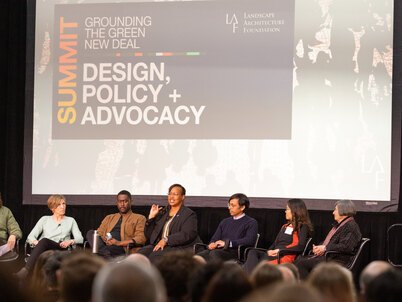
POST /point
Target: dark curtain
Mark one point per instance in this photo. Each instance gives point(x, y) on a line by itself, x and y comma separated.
point(12, 98)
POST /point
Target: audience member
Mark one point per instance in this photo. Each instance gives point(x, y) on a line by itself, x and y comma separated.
point(118, 230)
point(386, 287)
point(284, 293)
point(229, 284)
point(77, 274)
point(239, 229)
point(37, 282)
point(287, 274)
point(292, 237)
point(293, 268)
point(126, 282)
point(50, 270)
point(9, 291)
point(173, 227)
point(177, 269)
point(138, 258)
point(201, 279)
point(334, 282)
point(52, 233)
point(344, 237)
point(265, 274)
point(199, 259)
point(371, 271)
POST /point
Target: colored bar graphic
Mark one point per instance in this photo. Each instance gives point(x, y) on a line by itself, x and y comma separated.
point(164, 54)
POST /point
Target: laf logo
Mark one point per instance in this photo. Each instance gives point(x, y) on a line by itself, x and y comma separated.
point(232, 20)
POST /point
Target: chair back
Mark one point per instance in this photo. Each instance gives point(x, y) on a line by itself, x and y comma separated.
point(257, 240)
point(394, 240)
point(356, 256)
point(307, 246)
point(241, 250)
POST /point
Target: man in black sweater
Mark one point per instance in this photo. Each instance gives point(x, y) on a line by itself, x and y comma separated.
point(239, 229)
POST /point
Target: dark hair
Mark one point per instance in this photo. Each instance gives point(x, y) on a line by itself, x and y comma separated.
point(265, 274)
point(229, 284)
point(124, 192)
point(37, 282)
point(299, 214)
point(1, 201)
point(183, 190)
point(201, 278)
point(243, 200)
point(386, 287)
point(79, 271)
point(51, 266)
point(177, 269)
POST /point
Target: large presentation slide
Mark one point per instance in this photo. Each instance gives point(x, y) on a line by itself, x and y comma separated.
point(274, 98)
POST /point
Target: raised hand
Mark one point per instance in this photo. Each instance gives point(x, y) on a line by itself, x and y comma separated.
point(154, 211)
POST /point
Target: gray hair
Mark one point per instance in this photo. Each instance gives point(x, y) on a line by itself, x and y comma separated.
point(346, 207)
point(128, 281)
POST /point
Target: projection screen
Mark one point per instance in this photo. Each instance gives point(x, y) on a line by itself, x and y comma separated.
point(276, 99)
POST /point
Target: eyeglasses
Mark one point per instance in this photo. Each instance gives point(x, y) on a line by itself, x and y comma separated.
point(174, 194)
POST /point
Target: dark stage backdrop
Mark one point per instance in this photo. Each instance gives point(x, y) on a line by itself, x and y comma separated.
point(12, 98)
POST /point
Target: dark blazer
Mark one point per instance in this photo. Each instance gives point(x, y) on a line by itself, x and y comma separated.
point(182, 231)
point(345, 240)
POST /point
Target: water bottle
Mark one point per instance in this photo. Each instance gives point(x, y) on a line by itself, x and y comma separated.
point(95, 242)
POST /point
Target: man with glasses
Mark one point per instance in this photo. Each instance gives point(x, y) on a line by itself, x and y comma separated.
point(239, 229)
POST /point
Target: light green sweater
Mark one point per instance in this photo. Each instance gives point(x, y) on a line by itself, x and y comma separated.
point(47, 227)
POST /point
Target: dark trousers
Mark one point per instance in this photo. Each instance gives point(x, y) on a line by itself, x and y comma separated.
point(106, 251)
point(148, 251)
point(254, 257)
point(219, 254)
point(306, 264)
point(43, 245)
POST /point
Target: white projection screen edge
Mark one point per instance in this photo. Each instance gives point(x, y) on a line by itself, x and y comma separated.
point(275, 99)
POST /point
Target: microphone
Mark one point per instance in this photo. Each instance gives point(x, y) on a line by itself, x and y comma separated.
point(163, 211)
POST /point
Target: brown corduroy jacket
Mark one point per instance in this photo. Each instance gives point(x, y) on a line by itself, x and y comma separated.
point(132, 226)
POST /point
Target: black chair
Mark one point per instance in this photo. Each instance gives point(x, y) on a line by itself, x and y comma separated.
point(240, 249)
point(355, 256)
point(27, 250)
point(283, 252)
point(394, 239)
point(14, 253)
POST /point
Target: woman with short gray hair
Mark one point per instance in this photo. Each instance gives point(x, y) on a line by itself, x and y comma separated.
point(344, 237)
